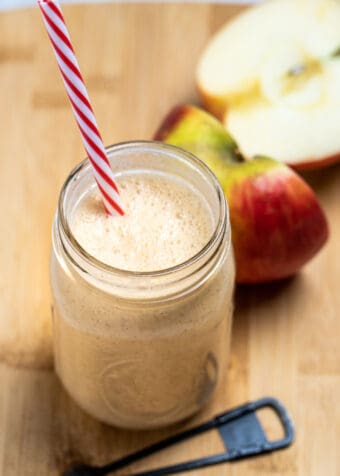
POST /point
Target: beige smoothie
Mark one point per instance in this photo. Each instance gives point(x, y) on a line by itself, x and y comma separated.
point(150, 361)
point(165, 224)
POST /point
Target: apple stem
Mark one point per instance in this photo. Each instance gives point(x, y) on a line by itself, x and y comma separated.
point(236, 155)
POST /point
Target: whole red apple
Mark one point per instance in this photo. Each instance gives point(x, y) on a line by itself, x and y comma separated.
point(277, 222)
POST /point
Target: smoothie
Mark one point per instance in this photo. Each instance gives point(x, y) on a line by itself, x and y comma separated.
point(151, 359)
point(165, 224)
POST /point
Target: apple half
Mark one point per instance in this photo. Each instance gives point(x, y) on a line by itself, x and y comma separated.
point(276, 220)
point(272, 75)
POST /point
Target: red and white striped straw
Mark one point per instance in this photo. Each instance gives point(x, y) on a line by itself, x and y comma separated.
point(83, 112)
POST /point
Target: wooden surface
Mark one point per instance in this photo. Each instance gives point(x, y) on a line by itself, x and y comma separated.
point(138, 62)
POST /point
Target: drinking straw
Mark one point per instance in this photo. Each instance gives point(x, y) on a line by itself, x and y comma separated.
point(83, 112)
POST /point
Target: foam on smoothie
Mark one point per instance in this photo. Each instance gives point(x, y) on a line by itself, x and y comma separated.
point(165, 224)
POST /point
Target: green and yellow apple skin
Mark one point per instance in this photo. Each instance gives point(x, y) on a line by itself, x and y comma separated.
point(276, 220)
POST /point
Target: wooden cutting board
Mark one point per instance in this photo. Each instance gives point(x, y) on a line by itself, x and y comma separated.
point(138, 61)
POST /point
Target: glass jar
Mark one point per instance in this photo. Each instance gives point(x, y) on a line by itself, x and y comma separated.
point(142, 349)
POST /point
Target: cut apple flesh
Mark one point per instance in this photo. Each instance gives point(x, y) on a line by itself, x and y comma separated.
point(274, 76)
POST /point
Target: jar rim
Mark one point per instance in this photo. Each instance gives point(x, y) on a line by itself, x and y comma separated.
point(84, 166)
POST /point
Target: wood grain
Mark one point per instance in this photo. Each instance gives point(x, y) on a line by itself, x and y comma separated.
point(138, 61)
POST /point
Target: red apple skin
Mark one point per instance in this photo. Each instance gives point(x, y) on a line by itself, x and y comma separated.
point(277, 225)
point(315, 163)
point(170, 122)
point(276, 220)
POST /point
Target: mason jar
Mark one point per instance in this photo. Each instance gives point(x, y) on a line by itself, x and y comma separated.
point(142, 349)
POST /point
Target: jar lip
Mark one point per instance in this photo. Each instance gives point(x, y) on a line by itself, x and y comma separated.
point(217, 235)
